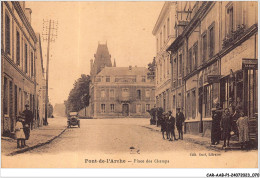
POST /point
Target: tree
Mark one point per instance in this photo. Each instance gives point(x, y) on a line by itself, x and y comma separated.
point(79, 96)
point(151, 70)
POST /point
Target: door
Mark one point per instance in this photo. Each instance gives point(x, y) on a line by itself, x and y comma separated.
point(125, 110)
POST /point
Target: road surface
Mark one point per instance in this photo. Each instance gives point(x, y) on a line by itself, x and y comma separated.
point(125, 143)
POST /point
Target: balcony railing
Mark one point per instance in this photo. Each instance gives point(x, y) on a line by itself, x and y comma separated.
point(234, 35)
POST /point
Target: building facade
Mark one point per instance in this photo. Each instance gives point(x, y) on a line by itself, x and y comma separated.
point(18, 57)
point(218, 49)
point(40, 84)
point(165, 35)
point(119, 91)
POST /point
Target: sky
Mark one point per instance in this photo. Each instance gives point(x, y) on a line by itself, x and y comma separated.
point(126, 27)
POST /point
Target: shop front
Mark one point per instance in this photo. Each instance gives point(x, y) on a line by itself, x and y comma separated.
point(239, 83)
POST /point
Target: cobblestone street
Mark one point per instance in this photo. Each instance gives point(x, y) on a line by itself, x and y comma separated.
point(126, 139)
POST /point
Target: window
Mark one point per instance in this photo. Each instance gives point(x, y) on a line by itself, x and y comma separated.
point(168, 27)
point(32, 64)
point(139, 94)
point(125, 93)
point(173, 102)
point(211, 41)
point(147, 107)
point(230, 19)
point(7, 34)
point(204, 47)
point(103, 108)
point(143, 78)
point(98, 79)
point(195, 56)
point(112, 93)
point(25, 58)
point(180, 65)
point(5, 98)
point(147, 93)
point(188, 105)
point(208, 100)
point(157, 45)
point(17, 48)
point(112, 107)
point(161, 40)
point(107, 79)
point(164, 35)
point(138, 108)
point(193, 104)
point(190, 61)
point(179, 101)
point(103, 93)
point(11, 98)
point(15, 101)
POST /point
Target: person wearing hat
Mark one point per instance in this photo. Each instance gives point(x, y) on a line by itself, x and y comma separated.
point(215, 125)
point(179, 122)
point(225, 125)
point(28, 119)
point(171, 127)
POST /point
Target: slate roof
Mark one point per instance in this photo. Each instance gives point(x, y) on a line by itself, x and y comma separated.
point(119, 71)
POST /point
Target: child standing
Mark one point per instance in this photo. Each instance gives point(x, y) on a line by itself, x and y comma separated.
point(242, 124)
point(19, 133)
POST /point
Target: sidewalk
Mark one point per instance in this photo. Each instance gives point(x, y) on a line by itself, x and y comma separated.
point(38, 137)
point(199, 139)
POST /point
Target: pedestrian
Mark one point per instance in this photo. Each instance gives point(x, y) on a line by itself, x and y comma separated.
point(167, 122)
point(179, 122)
point(215, 127)
point(163, 125)
point(242, 124)
point(171, 126)
point(226, 126)
point(19, 133)
point(28, 116)
point(234, 119)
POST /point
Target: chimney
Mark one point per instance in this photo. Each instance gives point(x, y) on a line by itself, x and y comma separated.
point(28, 13)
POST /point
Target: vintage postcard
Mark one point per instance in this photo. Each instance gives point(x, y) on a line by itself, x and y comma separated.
point(129, 84)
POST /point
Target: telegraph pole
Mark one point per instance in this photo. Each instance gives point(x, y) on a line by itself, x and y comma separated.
point(49, 27)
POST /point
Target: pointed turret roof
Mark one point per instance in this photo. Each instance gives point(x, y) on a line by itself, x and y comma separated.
point(102, 59)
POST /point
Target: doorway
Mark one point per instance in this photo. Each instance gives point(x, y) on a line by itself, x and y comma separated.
point(125, 110)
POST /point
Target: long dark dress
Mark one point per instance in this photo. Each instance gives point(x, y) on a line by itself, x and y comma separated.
point(226, 125)
point(215, 128)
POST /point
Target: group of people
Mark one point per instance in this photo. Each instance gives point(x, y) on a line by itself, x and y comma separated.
point(168, 123)
point(229, 122)
point(22, 128)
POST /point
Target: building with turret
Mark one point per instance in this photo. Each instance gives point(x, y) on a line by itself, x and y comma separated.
point(118, 91)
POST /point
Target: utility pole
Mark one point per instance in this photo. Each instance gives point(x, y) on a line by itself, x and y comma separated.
point(49, 34)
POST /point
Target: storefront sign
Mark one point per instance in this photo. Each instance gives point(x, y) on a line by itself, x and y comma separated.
point(249, 64)
point(213, 78)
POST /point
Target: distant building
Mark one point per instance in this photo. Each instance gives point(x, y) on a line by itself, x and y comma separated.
point(119, 91)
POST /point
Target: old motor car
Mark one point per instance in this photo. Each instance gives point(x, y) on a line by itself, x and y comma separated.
point(73, 119)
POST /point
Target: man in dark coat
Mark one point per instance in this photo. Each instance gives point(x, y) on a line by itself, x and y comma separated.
point(226, 126)
point(28, 118)
point(171, 126)
point(179, 122)
point(215, 127)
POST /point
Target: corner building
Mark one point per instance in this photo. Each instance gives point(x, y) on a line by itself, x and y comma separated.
point(215, 53)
